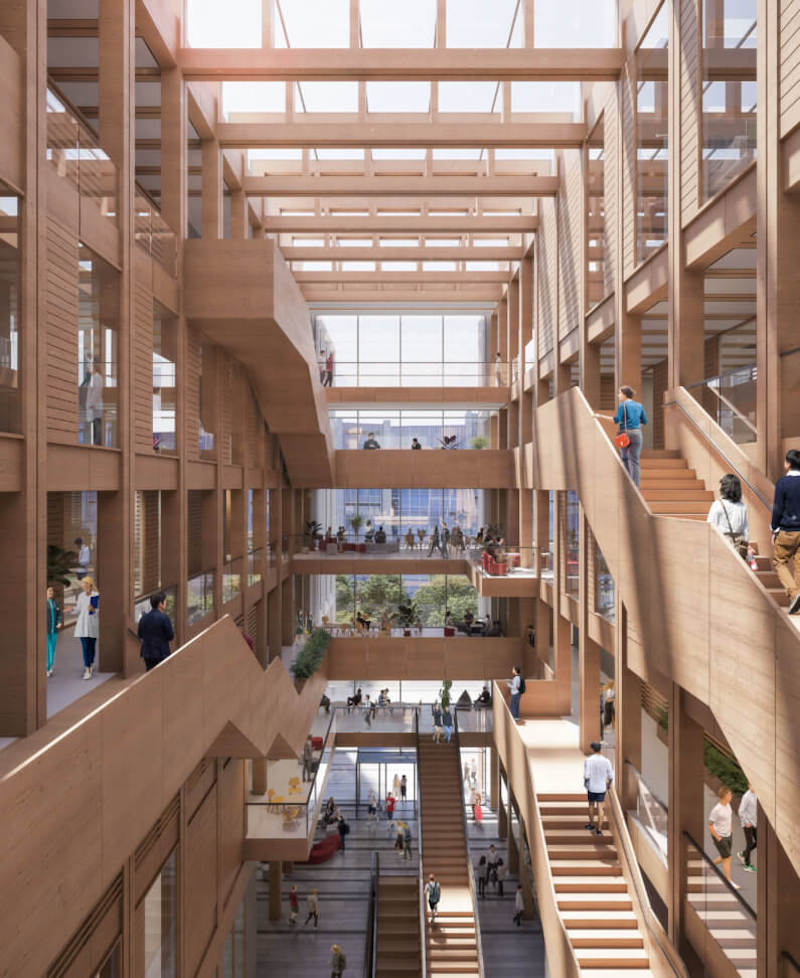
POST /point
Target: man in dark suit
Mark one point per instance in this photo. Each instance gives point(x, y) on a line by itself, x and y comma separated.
point(155, 632)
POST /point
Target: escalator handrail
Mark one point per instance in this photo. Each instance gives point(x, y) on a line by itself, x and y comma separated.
point(721, 876)
point(420, 874)
point(371, 950)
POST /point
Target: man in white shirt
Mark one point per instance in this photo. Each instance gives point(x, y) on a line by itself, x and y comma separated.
point(748, 813)
point(597, 777)
point(720, 825)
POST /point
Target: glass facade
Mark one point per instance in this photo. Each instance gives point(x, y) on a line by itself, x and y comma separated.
point(397, 429)
point(652, 143)
point(165, 393)
point(10, 416)
point(98, 353)
point(378, 597)
point(572, 520)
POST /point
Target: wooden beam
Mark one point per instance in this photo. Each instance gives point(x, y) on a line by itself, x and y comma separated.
point(419, 225)
point(482, 297)
point(312, 134)
point(399, 278)
point(432, 253)
point(401, 64)
point(393, 186)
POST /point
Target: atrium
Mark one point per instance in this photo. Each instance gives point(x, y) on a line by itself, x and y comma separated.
point(389, 395)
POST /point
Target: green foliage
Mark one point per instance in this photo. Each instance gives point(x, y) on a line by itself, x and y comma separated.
point(406, 615)
point(376, 596)
point(356, 522)
point(722, 767)
point(478, 442)
point(432, 600)
point(59, 564)
point(663, 719)
point(444, 692)
point(310, 656)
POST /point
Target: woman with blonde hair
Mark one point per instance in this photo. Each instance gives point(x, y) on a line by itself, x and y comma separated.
point(87, 624)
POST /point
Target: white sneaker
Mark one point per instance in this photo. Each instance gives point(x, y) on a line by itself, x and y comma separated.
point(87, 673)
point(49, 673)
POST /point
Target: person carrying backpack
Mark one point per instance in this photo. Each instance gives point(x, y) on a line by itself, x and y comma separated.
point(338, 962)
point(433, 892)
point(406, 841)
point(517, 687)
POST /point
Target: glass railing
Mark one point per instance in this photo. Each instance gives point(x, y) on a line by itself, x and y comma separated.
point(386, 718)
point(476, 719)
point(505, 561)
point(722, 907)
point(153, 234)
point(396, 429)
point(649, 812)
point(426, 374)
point(288, 810)
point(255, 559)
point(479, 628)
point(98, 403)
point(141, 605)
point(730, 399)
point(231, 580)
point(546, 562)
point(199, 597)
point(74, 152)
point(410, 539)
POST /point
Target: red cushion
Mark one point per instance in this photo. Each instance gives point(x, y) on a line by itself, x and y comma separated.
point(323, 850)
point(316, 743)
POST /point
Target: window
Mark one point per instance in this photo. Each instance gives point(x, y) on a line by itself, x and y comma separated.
point(98, 354)
point(595, 218)
point(165, 354)
point(10, 417)
point(160, 923)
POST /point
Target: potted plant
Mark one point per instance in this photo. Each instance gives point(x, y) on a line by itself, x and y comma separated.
point(405, 618)
point(59, 567)
point(356, 522)
point(312, 535)
point(444, 692)
point(478, 442)
point(310, 656)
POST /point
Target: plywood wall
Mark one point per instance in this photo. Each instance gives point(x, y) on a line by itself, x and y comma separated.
point(691, 117)
point(547, 276)
point(62, 334)
point(789, 35)
point(571, 238)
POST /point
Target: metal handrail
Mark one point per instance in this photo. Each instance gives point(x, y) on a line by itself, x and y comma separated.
point(371, 939)
point(706, 383)
point(791, 961)
point(745, 905)
point(654, 928)
point(423, 950)
point(720, 451)
point(470, 873)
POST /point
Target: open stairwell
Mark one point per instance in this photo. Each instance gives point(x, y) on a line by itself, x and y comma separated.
point(451, 940)
point(398, 948)
point(592, 894)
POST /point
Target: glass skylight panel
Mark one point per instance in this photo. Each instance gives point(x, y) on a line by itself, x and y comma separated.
point(354, 242)
point(481, 266)
point(309, 23)
point(253, 96)
point(531, 153)
point(575, 23)
point(388, 24)
point(338, 154)
point(470, 96)
point(389, 96)
point(234, 24)
point(312, 266)
point(398, 266)
point(398, 154)
point(438, 266)
point(308, 242)
point(398, 242)
point(274, 153)
point(325, 96)
point(451, 153)
point(545, 96)
point(658, 34)
point(443, 242)
point(490, 242)
point(479, 24)
point(357, 266)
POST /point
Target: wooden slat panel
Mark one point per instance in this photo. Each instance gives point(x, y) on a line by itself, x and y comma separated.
point(143, 369)
point(789, 39)
point(192, 393)
point(611, 187)
point(691, 114)
point(226, 379)
point(570, 239)
point(548, 276)
point(628, 96)
point(62, 334)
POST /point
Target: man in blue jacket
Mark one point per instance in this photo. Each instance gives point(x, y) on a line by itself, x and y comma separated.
point(155, 632)
point(786, 529)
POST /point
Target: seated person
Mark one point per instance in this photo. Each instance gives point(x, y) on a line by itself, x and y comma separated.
point(354, 700)
point(370, 444)
point(325, 701)
point(363, 623)
point(410, 539)
point(380, 536)
point(415, 445)
point(329, 812)
point(494, 630)
point(469, 618)
point(485, 698)
point(369, 534)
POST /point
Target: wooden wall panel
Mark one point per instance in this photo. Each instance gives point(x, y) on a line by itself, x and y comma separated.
point(611, 186)
point(143, 369)
point(195, 521)
point(201, 879)
point(690, 109)
point(548, 276)
point(627, 89)
point(226, 379)
point(233, 821)
point(192, 400)
point(789, 40)
point(62, 334)
point(570, 242)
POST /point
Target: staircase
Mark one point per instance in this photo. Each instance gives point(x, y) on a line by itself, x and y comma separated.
point(452, 941)
point(591, 892)
point(672, 489)
point(398, 947)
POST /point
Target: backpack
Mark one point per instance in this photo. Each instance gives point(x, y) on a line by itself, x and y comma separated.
point(434, 893)
point(521, 685)
point(345, 828)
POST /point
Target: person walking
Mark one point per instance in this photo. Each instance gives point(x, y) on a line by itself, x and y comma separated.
point(396, 785)
point(155, 632)
point(343, 829)
point(371, 444)
point(398, 839)
point(515, 685)
point(294, 906)
point(87, 624)
point(338, 962)
point(519, 906)
point(435, 544)
point(403, 788)
point(436, 711)
point(720, 825)
point(598, 775)
point(53, 625)
point(481, 873)
point(748, 813)
point(390, 803)
point(329, 370)
point(308, 759)
point(498, 369)
point(372, 805)
point(84, 557)
point(728, 514)
point(491, 864)
point(473, 797)
point(433, 894)
point(630, 417)
point(500, 873)
point(785, 526)
point(447, 724)
point(478, 809)
point(406, 841)
point(312, 908)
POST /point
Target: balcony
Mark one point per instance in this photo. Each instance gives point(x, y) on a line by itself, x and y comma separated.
point(482, 469)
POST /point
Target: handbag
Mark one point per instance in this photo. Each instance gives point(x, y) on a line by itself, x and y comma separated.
point(739, 542)
point(622, 438)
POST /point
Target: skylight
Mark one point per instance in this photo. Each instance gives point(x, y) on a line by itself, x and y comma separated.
point(309, 23)
point(546, 96)
point(388, 24)
point(236, 24)
point(478, 24)
point(253, 96)
point(325, 96)
point(398, 154)
point(338, 154)
point(470, 96)
point(453, 153)
point(398, 96)
point(575, 24)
